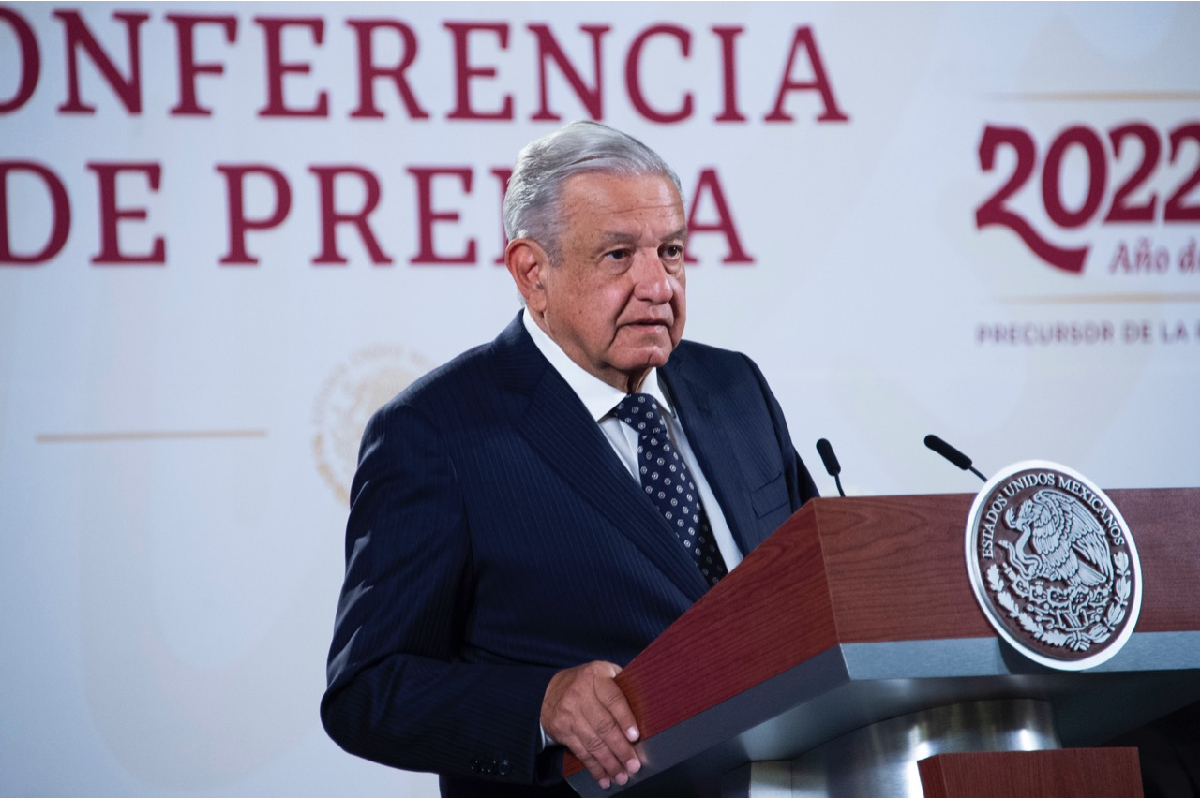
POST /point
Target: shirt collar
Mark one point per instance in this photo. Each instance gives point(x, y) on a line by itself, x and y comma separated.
point(597, 396)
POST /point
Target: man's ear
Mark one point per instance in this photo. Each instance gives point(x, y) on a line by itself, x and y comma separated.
point(527, 262)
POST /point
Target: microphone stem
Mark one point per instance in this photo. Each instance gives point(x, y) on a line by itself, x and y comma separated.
point(838, 481)
point(977, 472)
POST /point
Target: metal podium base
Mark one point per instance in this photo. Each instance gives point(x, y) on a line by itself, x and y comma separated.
point(880, 760)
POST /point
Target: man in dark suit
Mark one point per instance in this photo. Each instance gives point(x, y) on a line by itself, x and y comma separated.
point(531, 515)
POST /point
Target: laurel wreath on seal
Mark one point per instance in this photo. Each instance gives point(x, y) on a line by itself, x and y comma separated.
point(1077, 640)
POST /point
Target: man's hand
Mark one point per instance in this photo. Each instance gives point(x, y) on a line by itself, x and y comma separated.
point(585, 711)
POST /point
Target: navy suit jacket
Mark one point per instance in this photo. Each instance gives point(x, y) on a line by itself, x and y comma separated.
point(496, 538)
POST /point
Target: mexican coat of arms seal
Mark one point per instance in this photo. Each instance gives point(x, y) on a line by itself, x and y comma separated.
point(1053, 565)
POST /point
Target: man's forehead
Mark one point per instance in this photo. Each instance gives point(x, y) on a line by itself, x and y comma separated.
point(604, 193)
point(649, 183)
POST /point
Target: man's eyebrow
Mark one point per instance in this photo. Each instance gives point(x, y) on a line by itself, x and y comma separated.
point(627, 236)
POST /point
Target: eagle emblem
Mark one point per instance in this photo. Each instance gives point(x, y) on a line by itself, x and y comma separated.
point(1053, 565)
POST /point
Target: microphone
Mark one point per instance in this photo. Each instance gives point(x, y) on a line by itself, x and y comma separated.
point(825, 451)
point(955, 457)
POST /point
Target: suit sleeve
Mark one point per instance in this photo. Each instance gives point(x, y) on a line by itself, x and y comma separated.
point(396, 693)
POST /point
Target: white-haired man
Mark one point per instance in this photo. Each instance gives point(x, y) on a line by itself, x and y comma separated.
point(528, 517)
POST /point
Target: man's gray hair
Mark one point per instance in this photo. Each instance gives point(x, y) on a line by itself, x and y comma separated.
point(532, 202)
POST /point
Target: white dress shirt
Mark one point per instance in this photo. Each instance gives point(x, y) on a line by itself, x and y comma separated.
point(599, 398)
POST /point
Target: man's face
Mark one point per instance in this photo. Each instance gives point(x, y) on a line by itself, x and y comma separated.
point(615, 303)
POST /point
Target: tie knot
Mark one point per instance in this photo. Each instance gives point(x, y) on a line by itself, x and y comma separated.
point(640, 412)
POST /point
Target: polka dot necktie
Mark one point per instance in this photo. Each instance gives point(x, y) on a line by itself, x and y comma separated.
point(669, 484)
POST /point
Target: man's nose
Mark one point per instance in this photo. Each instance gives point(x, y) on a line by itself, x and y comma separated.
point(652, 281)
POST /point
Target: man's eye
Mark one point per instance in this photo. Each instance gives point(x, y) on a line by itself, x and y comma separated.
point(673, 251)
point(618, 254)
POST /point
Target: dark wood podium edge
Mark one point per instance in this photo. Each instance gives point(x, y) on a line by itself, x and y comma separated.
point(722, 653)
point(1078, 772)
point(722, 641)
point(870, 569)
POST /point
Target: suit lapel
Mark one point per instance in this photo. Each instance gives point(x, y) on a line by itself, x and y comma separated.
point(708, 434)
point(559, 428)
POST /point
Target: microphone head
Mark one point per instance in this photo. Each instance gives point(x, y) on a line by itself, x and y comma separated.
point(825, 451)
point(947, 452)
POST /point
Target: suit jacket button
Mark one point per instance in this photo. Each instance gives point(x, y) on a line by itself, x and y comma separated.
point(490, 767)
point(476, 766)
point(505, 767)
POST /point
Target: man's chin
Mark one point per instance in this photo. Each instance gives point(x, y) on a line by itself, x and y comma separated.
point(645, 359)
point(633, 338)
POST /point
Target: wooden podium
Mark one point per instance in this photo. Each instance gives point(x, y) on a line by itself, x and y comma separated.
point(849, 646)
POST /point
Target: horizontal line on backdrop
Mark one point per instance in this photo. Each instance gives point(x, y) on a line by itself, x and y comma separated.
point(1058, 97)
point(134, 436)
point(1099, 299)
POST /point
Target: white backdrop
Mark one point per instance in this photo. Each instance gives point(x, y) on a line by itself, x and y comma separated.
point(177, 428)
